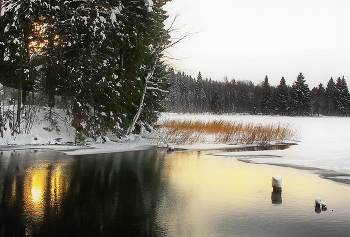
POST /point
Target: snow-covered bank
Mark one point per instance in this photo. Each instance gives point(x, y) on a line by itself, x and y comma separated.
point(86, 149)
point(59, 135)
point(323, 143)
point(132, 144)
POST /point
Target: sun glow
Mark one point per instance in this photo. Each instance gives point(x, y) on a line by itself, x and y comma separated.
point(40, 37)
point(36, 194)
point(42, 184)
point(34, 191)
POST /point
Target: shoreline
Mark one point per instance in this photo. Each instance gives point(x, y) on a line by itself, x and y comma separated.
point(335, 176)
point(229, 150)
point(222, 150)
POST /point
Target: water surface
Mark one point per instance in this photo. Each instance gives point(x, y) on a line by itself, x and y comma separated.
point(152, 193)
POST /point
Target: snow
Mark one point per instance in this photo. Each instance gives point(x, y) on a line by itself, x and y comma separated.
point(323, 142)
point(277, 181)
point(131, 143)
point(62, 136)
point(114, 12)
point(149, 5)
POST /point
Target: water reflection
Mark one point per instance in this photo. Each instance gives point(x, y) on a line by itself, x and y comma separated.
point(34, 205)
point(152, 193)
point(276, 197)
point(43, 194)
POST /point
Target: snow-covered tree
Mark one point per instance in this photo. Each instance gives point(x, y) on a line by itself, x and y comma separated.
point(199, 93)
point(342, 97)
point(266, 97)
point(103, 57)
point(17, 30)
point(281, 98)
point(330, 97)
point(318, 100)
point(300, 97)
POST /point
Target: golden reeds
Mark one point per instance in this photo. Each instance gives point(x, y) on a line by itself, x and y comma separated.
point(228, 132)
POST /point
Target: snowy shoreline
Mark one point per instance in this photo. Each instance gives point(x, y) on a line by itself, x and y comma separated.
point(252, 157)
point(323, 146)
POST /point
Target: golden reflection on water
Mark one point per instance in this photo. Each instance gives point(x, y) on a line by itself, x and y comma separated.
point(216, 177)
point(41, 183)
point(227, 177)
point(214, 186)
point(59, 184)
point(34, 191)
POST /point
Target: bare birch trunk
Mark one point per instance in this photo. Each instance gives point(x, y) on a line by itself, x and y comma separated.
point(142, 102)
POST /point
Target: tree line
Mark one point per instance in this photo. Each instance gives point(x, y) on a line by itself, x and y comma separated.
point(198, 95)
point(102, 58)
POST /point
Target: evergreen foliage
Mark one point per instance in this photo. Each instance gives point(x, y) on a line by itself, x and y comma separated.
point(266, 97)
point(281, 102)
point(300, 96)
point(330, 97)
point(342, 97)
point(102, 57)
point(318, 98)
point(233, 96)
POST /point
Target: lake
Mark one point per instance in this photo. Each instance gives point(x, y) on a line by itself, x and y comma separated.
point(155, 193)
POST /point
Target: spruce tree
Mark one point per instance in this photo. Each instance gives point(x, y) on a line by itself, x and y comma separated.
point(266, 97)
point(331, 97)
point(281, 100)
point(215, 103)
point(199, 93)
point(342, 97)
point(17, 27)
point(51, 58)
point(300, 97)
point(151, 70)
point(318, 98)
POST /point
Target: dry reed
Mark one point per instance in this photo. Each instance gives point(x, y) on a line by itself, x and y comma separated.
point(229, 132)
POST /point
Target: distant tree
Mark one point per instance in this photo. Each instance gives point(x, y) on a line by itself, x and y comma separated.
point(318, 98)
point(281, 98)
point(266, 97)
point(342, 97)
point(245, 97)
point(228, 95)
point(300, 96)
point(199, 93)
point(331, 93)
point(215, 104)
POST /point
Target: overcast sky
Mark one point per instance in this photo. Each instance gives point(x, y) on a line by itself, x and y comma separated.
point(248, 39)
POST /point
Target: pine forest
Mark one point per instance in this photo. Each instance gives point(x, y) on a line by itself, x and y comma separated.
point(188, 94)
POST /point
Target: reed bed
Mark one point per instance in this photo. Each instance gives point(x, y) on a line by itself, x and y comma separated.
point(228, 132)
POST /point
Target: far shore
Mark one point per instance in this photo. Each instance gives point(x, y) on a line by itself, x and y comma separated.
point(326, 174)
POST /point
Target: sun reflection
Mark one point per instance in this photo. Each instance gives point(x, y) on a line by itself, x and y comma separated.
point(34, 191)
point(43, 184)
point(36, 194)
point(224, 181)
point(207, 190)
point(58, 185)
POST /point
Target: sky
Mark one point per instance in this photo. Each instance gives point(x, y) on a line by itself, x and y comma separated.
point(249, 39)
